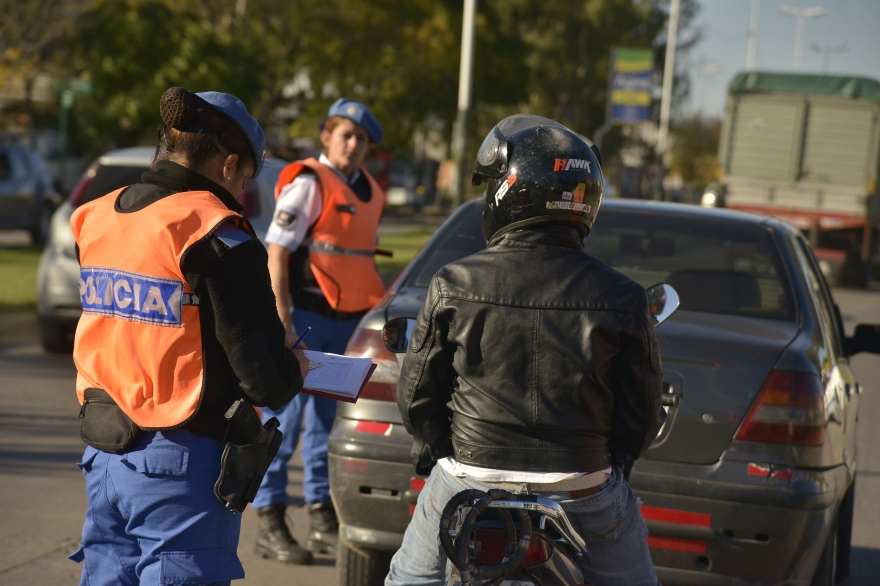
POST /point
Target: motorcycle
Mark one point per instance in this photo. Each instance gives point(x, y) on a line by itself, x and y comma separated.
point(540, 547)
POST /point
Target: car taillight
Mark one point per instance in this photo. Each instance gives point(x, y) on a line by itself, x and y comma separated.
point(382, 386)
point(80, 188)
point(789, 409)
point(493, 543)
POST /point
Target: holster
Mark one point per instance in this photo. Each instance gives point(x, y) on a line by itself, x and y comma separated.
point(249, 448)
point(104, 425)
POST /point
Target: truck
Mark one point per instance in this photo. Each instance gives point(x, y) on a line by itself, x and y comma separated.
point(805, 149)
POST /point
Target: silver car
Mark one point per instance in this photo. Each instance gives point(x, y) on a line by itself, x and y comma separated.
point(58, 301)
point(751, 479)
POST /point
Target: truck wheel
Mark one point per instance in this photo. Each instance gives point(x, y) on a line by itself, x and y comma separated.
point(354, 568)
point(55, 337)
point(844, 533)
point(825, 571)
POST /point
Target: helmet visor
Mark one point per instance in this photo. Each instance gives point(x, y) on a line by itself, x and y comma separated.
point(513, 124)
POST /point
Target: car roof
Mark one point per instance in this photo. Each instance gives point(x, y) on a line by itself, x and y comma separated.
point(143, 157)
point(130, 157)
point(687, 210)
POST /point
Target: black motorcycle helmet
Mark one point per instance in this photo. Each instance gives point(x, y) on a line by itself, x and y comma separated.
point(538, 172)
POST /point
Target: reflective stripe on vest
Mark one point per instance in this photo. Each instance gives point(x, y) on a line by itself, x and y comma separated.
point(139, 336)
point(343, 240)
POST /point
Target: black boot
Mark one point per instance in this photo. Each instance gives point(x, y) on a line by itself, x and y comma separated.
point(274, 539)
point(323, 529)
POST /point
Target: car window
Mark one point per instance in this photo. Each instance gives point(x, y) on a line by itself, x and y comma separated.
point(822, 299)
point(110, 178)
point(716, 266)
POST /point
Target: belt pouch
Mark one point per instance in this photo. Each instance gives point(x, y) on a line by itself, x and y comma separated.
point(250, 448)
point(104, 425)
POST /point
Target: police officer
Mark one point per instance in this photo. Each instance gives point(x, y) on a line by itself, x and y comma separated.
point(178, 323)
point(532, 362)
point(321, 246)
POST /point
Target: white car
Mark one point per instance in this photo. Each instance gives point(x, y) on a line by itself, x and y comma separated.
point(58, 302)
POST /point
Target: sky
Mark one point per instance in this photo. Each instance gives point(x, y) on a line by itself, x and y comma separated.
point(724, 27)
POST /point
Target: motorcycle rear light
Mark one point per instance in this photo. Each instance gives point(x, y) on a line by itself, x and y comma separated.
point(79, 189)
point(382, 386)
point(789, 409)
point(493, 543)
point(416, 484)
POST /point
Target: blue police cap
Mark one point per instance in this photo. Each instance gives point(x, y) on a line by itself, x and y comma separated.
point(234, 109)
point(357, 113)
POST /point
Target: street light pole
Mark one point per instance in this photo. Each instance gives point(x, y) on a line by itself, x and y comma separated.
point(465, 81)
point(752, 56)
point(826, 51)
point(801, 14)
point(668, 74)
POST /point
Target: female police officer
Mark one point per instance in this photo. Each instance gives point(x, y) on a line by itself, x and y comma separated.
point(178, 323)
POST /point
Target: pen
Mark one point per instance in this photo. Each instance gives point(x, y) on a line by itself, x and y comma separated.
point(300, 339)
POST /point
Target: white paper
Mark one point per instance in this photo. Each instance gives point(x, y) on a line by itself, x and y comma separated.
point(335, 374)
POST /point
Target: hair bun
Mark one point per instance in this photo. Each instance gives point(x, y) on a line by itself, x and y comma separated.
point(177, 107)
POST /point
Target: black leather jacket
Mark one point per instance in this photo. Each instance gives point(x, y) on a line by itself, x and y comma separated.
point(532, 355)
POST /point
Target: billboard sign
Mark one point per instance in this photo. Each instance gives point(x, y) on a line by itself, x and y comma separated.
point(632, 85)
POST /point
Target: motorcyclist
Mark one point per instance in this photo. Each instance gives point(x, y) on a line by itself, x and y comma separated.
point(532, 362)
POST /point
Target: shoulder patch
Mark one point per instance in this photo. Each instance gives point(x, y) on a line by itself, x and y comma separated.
point(284, 219)
point(231, 235)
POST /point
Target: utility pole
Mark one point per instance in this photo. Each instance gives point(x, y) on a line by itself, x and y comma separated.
point(465, 81)
point(752, 56)
point(826, 51)
point(801, 14)
point(668, 74)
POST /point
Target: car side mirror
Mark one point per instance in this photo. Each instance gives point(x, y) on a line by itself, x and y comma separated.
point(865, 339)
point(662, 302)
point(397, 334)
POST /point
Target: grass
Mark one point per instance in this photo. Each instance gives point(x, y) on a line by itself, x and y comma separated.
point(18, 278)
point(405, 246)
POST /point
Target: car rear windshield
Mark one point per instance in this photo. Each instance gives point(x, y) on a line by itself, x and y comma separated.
point(110, 178)
point(716, 266)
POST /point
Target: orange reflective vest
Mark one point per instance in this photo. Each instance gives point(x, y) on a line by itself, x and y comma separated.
point(139, 337)
point(343, 240)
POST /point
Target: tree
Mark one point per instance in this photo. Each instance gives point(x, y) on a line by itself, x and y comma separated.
point(694, 150)
point(31, 34)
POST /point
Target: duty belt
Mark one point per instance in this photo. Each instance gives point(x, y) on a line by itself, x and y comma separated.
point(324, 247)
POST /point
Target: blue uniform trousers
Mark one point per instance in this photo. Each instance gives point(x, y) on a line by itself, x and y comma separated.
point(153, 518)
point(327, 335)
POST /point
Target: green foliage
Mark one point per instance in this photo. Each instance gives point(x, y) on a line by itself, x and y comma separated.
point(694, 149)
point(548, 57)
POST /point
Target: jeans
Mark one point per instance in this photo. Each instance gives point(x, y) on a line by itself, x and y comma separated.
point(153, 518)
point(610, 523)
point(327, 335)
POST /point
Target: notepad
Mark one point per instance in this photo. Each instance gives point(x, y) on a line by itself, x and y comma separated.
point(337, 377)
